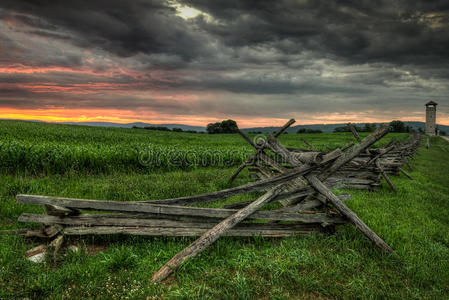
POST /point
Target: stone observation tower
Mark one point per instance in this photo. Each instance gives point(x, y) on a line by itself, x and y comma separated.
point(431, 115)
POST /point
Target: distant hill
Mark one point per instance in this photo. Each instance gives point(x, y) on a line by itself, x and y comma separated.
point(138, 124)
point(331, 127)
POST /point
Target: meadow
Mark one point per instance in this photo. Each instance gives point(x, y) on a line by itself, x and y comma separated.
point(107, 163)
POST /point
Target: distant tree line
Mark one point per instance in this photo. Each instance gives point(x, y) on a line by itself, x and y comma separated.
point(368, 127)
point(399, 126)
point(395, 126)
point(163, 128)
point(230, 126)
point(308, 130)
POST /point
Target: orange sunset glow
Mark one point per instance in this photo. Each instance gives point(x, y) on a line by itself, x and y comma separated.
point(127, 116)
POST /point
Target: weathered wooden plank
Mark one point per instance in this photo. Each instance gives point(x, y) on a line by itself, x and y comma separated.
point(332, 155)
point(246, 138)
point(117, 206)
point(297, 150)
point(360, 186)
point(382, 153)
point(298, 158)
point(348, 156)
point(105, 220)
point(308, 145)
point(308, 204)
point(265, 172)
point(407, 163)
point(213, 234)
point(55, 246)
point(290, 197)
point(274, 145)
point(284, 128)
point(344, 210)
point(405, 173)
point(52, 230)
point(254, 176)
point(347, 146)
point(354, 132)
point(251, 158)
point(338, 163)
point(240, 169)
point(271, 162)
point(178, 218)
point(249, 187)
point(237, 205)
point(166, 231)
point(304, 205)
point(60, 211)
point(355, 180)
point(385, 176)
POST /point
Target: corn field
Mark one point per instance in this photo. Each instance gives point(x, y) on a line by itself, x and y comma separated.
point(42, 148)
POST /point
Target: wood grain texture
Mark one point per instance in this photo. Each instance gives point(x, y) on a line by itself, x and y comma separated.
point(213, 234)
point(252, 157)
point(344, 210)
point(125, 220)
point(180, 232)
point(125, 207)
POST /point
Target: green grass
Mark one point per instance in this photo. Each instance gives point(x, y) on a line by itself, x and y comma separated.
point(415, 222)
point(42, 148)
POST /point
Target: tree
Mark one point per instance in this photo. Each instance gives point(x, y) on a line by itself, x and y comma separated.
point(346, 128)
point(226, 126)
point(177, 129)
point(158, 128)
point(397, 126)
point(213, 128)
point(308, 130)
point(369, 127)
point(341, 129)
point(229, 126)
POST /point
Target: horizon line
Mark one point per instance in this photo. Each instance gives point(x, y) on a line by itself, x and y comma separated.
point(204, 126)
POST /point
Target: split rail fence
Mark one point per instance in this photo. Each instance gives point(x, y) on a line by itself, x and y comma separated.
point(300, 179)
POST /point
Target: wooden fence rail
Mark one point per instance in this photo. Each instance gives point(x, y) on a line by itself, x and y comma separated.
point(301, 180)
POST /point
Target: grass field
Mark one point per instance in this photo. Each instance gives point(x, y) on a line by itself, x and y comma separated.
point(415, 222)
point(41, 148)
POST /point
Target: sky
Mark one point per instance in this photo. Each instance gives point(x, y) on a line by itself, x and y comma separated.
point(199, 61)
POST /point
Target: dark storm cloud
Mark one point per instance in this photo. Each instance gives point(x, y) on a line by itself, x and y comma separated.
point(310, 56)
point(354, 31)
point(122, 27)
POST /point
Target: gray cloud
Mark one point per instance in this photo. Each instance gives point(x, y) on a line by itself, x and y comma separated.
point(242, 58)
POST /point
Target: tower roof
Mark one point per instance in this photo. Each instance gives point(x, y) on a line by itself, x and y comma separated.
point(431, 103)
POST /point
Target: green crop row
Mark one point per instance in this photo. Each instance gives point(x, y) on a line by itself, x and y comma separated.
point(42, 148)
point(51, 158)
